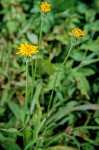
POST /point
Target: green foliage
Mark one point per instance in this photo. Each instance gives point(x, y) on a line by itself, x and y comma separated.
point(73, 119)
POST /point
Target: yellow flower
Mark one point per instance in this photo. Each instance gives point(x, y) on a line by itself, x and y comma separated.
point(77, 32)
point(45, 7)
point(27, 49)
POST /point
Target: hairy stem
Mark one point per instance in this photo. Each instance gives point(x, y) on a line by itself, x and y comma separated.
point(51, 97)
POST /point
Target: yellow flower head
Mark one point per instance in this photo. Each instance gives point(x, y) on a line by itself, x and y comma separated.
point(27, 49)
point(45, 7)
point(77, 32)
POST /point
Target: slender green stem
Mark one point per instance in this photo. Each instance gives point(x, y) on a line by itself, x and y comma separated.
point(71, 46)
point(39, 42)
point(26, 94)
point(40, 36)
point(35, 69)
point(32, 86)
point(26, 104)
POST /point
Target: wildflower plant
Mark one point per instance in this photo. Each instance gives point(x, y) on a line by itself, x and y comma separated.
point(28, 51)
point(76, 34)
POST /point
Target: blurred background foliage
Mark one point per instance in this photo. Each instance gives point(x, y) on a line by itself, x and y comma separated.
point(74, 115)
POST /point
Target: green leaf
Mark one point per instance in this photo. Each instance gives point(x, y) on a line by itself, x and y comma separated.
point(96, 88)
point(27, 133)
point(82, 8)
point(12, 26)
point(90, 46)
point(90, 15)
point(11, 130)
point(32, 37)
point(45, 67)
point(57, 137)
point(16, 110)
point(88, 107)
point(3, 72)
point(31, 143)
point(82, 84)
point(97, 120)
point(10, 145)
point(88, 146)
point(59, 147)
point(87, 71)
point(50, 84)
point(77, 55)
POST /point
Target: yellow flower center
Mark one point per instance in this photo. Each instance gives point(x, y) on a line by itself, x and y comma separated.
point(27, 49)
